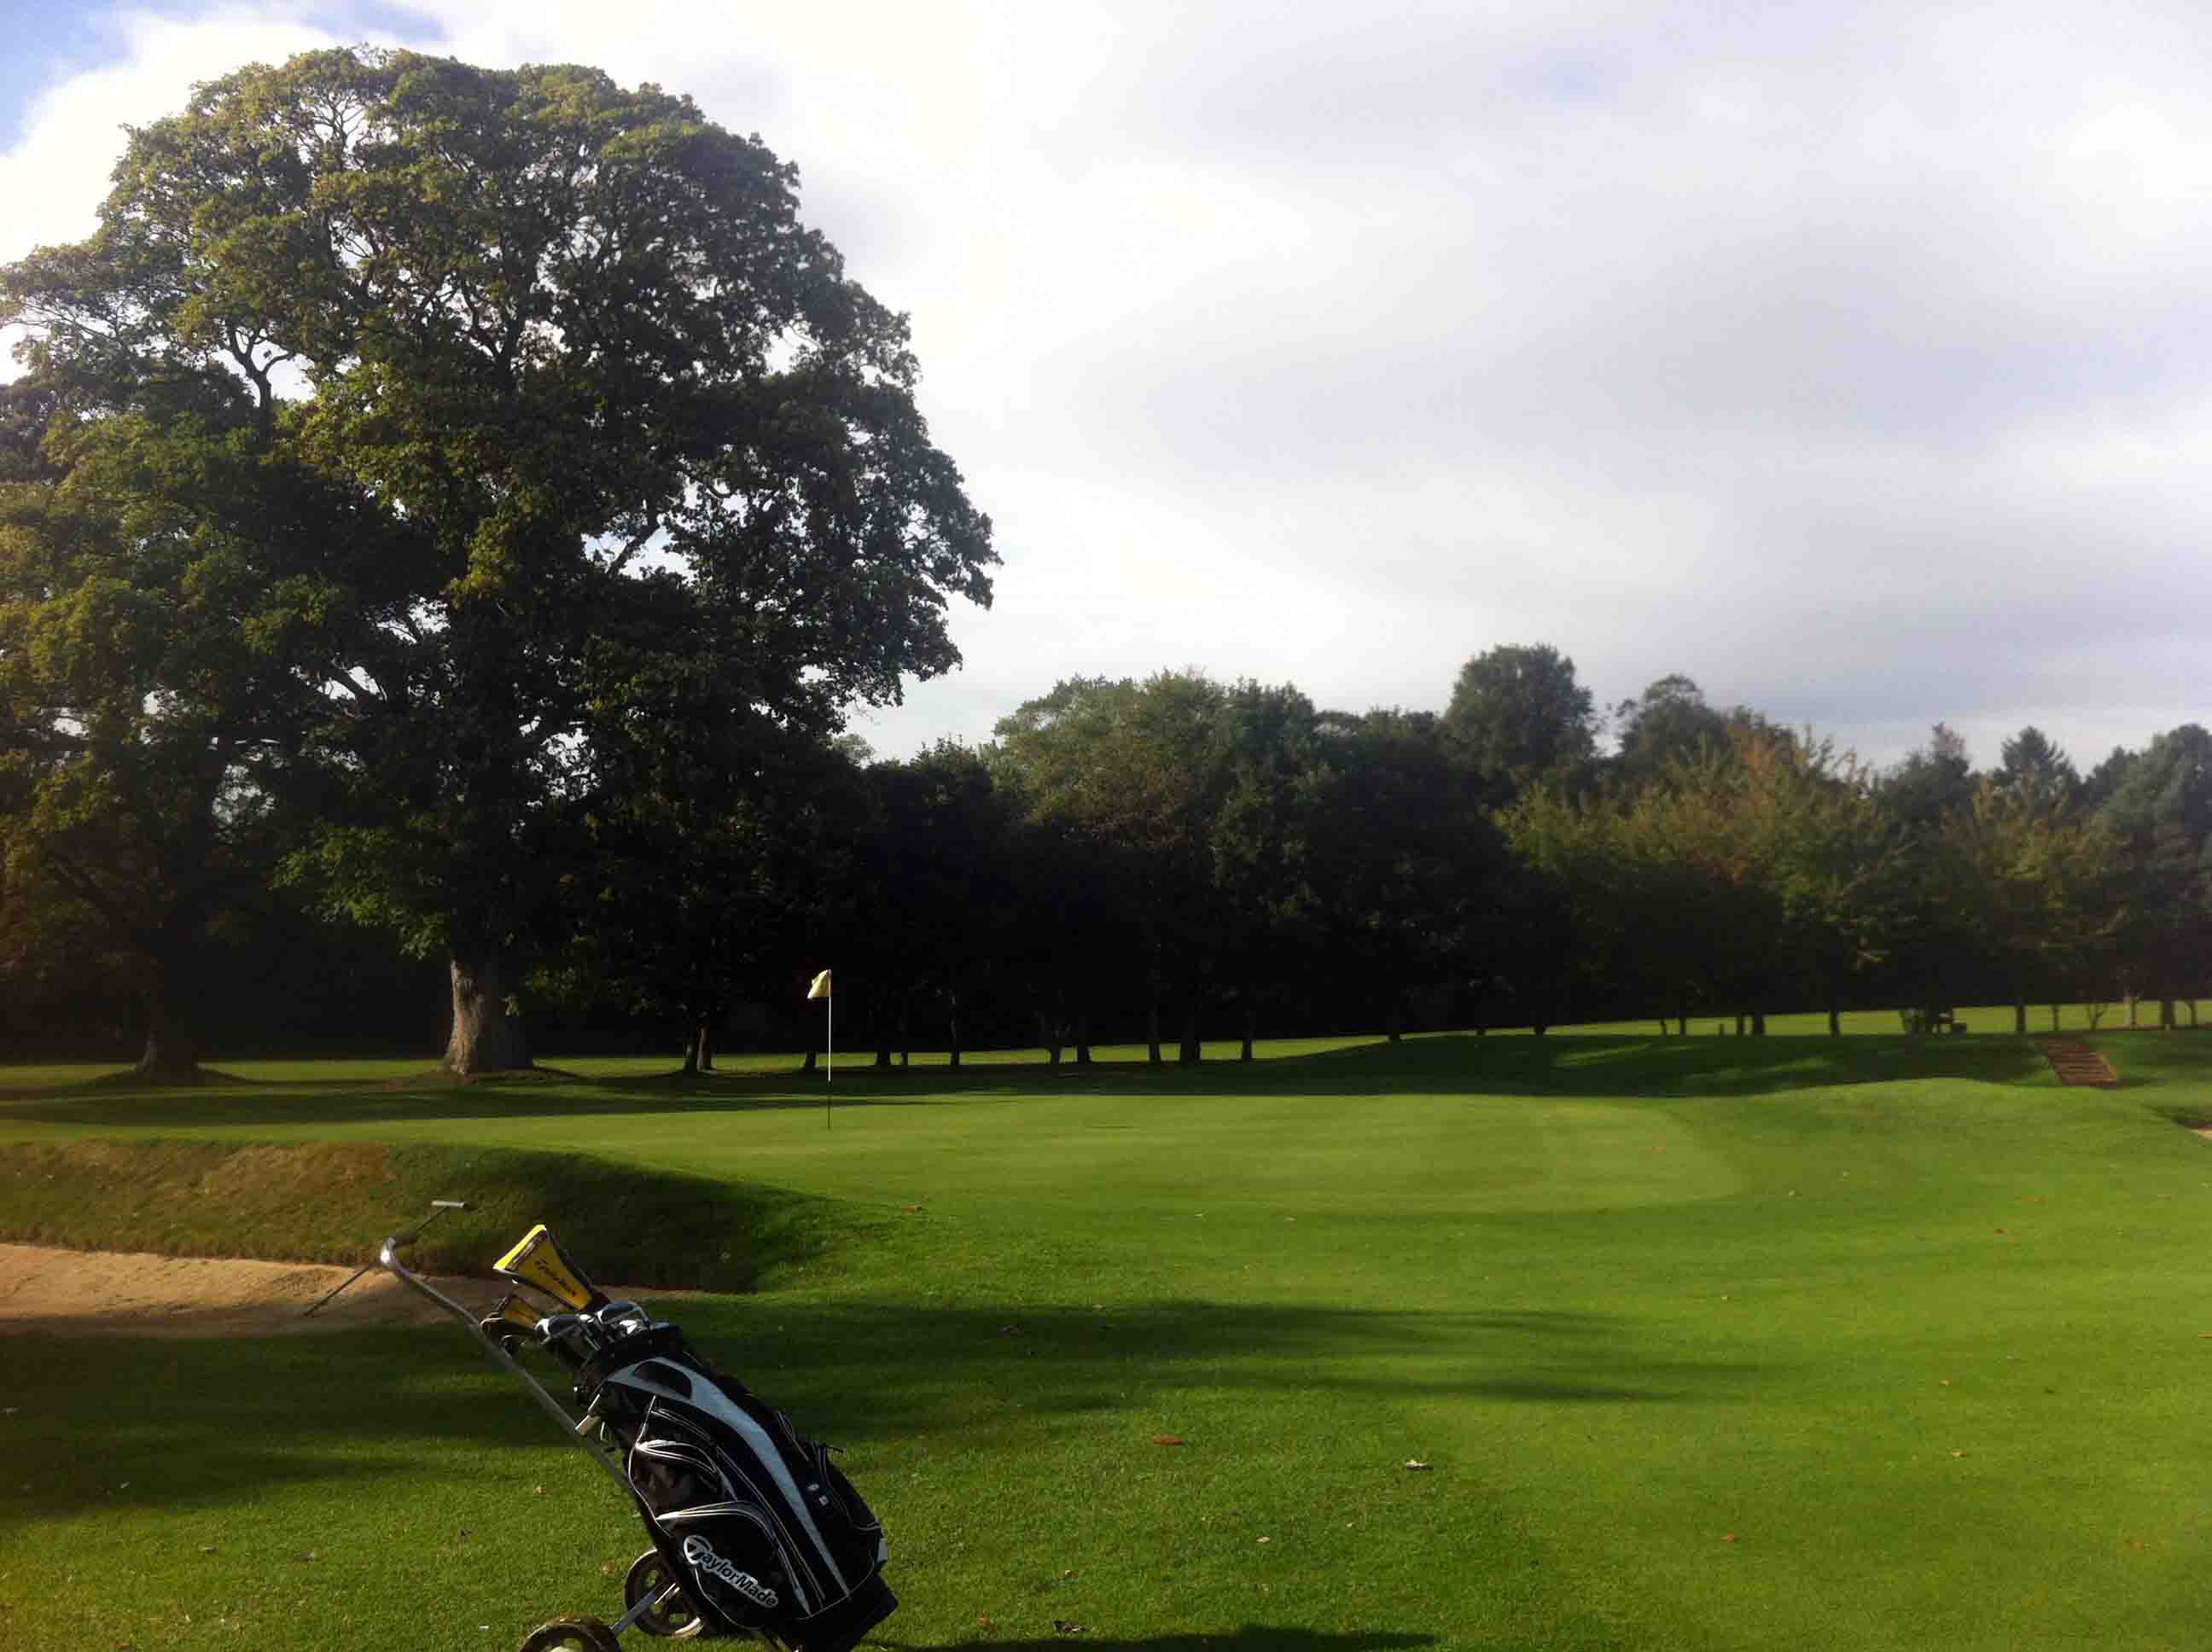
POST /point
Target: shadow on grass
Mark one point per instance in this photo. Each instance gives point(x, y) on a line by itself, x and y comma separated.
point(1602, 1067)
point(199, 1422)
point(1252, 1638)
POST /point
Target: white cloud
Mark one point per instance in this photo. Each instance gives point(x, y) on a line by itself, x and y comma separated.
point(1850, 361)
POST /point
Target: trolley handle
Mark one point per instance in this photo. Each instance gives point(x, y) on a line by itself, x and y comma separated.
point(400, 1241)
point(387, 1257)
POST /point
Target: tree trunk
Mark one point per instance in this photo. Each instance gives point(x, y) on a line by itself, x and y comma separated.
point(1835, 1019)
point(1251, 1021)
point(2054, 1017)
point(1758, 1024)
point(1153, 1029)
point(1394, 1027)
point(699, 1053)
point(1053, 1053)
point(906, 1032)
point(171, 1053)
point(1191, 1053)
point(1739, 1023)
point(1082, 1039)
point(488, 1037)
point(813, 1063)
point(2019, 1016)
point(952, 1031)
point(2165, 1022)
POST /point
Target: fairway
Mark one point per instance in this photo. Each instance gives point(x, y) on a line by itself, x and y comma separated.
point(1707, 1343)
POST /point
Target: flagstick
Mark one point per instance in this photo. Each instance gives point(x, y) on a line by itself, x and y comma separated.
point(830, 1079)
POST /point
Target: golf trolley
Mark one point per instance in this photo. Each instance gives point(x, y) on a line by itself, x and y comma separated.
point(755, 1533)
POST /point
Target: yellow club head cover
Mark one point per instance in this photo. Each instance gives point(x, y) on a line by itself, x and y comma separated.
point(538, 1262)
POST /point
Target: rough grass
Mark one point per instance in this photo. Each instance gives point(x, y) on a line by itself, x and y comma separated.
point(1711, 1344)
point(329, 1201)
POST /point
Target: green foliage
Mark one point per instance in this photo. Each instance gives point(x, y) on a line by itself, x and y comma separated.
point(2161, 808)
point(166, 602)
point(627, 443)
point(1404, 863)
point(1518, 716)
point(2032, 763)
point(1734, 876)
point(1669, 722)
point(2038, 886)
point(933, 917)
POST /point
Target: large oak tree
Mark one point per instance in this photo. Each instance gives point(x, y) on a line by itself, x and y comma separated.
point(572, 347)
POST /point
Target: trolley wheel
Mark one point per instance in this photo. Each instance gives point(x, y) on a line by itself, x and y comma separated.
point(676, 1619)
point(577, 1634)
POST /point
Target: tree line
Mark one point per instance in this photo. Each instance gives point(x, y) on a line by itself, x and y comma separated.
point(446, 517)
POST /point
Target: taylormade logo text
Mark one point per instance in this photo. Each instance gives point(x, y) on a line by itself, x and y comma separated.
point(701, 1555)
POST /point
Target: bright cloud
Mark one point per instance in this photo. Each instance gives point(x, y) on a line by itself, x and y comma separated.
point(1849, 359)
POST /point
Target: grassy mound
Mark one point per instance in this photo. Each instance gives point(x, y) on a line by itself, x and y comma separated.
point(331, 1201)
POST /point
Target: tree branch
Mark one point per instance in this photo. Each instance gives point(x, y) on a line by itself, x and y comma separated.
point(652, 527)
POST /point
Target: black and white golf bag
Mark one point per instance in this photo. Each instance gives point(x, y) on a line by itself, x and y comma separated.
point(757, 1524)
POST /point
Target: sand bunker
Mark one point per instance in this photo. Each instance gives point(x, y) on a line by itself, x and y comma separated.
point(48, 1292)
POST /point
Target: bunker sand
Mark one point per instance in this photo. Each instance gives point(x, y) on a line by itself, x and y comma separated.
point(45, 1292)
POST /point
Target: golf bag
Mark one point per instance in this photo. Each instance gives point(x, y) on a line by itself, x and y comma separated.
point(756, 1524)
point(755, 1532)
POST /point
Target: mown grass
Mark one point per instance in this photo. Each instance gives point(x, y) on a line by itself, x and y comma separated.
point(1711, 1343)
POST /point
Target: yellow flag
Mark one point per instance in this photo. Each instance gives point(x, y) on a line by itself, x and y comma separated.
point(821, 987)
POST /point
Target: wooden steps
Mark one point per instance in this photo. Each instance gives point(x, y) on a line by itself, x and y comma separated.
point(2076, 1063)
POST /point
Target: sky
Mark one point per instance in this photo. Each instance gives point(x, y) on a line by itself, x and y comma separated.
point(1851, 358)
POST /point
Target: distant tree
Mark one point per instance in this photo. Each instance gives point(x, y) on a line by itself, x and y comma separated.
point(2161, 809)
point(1263, 844)
point(1930, 781)
point(2098, 785)
point(1732, 875)
point(1938, 946)
point(167, 614)
point(935, 921)
point(1625, 926)
point(1403, 863)
point(714, 854)
point(1837, 862)
point(2030, 762)
point(2037, 886)
point(1517, 715)
point(1669, 720)
point(1135, 773)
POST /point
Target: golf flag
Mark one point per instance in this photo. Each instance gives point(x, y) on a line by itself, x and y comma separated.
point(821, 989)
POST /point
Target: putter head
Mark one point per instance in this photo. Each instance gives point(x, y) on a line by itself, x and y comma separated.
point(538, 1262)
